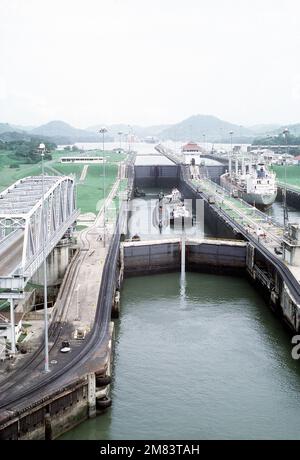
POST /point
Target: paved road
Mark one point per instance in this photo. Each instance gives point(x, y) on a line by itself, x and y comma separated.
point(11, 256)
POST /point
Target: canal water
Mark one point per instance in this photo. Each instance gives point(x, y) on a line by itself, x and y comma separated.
point(206, 360)
point(276, 211)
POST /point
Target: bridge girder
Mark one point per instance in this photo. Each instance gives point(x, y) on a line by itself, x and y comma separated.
point(27, 218)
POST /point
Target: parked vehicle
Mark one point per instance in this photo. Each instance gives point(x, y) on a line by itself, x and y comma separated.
point(65, 347)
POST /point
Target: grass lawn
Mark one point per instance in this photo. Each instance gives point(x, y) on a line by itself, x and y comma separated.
point(10, 175)
point(292, 174)
point(89, 193)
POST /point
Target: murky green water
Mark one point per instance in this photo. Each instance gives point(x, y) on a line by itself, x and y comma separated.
point(208, 361)
point(276, 211)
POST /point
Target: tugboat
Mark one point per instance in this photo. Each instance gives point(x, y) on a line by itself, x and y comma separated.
point(170, 210)
point(174, 197)
point(180, 215)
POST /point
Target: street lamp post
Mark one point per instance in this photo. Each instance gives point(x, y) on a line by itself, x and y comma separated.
point(129, 138)
point(42, 150)
point(120, 138)
point(285, 210)
point(103, 131)
point(231, 134)
point(204, 140)
point(231, 153)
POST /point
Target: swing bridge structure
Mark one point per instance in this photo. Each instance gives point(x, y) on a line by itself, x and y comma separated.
point(35, 214)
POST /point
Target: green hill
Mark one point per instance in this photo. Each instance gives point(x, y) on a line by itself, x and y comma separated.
point(198, 125)
point(61, 132)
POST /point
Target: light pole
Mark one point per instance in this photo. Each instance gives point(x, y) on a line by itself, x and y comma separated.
point(103, 131)
point(204, 140)
point(230, 153)
point(285, 210)
point(231, 134)
point(42, 150)
point(120, 138)
point(129, 138)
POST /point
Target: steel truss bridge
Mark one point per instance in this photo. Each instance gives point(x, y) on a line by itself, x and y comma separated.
point(22, 220)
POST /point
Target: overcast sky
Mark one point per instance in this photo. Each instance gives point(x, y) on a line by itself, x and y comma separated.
point(149, 61)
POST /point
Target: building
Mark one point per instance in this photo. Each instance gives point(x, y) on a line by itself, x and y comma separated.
point(192, 148)
point(297, 160)
point(82, 160)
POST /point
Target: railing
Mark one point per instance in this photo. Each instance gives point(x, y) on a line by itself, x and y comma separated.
point(289, 187)
point(210, 188)
point(254, 210)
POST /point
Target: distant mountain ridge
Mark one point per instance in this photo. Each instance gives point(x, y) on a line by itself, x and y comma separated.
point(139, 131)
point(61, 131)
point(197, 127)
point(7, 128)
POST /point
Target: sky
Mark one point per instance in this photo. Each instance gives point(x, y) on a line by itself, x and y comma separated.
point(149, 62)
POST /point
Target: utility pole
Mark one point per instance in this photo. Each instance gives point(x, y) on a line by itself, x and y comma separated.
point(103, 131)
point(120, 138)
point(285, 209)
point(13, 326)
point(204, 141)
point(231, 153)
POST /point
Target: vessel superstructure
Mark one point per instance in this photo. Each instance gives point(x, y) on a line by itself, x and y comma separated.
point(254, 182)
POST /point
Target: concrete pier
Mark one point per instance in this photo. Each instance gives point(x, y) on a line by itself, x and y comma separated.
point(57, 263)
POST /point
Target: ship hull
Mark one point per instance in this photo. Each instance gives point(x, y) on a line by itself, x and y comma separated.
point(260, 201)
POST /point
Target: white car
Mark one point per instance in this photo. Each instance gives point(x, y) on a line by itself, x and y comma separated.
point(65, 347)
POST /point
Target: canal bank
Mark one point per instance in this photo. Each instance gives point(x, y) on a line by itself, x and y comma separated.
point(207, 361)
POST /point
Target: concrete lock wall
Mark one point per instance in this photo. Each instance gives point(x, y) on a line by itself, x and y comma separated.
point(292, 198)
point(215, 171)
point(156, 176)
point(214, 224)
point(149, 258)
point(169, 175)
point(155, 258)
point(218, 257)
